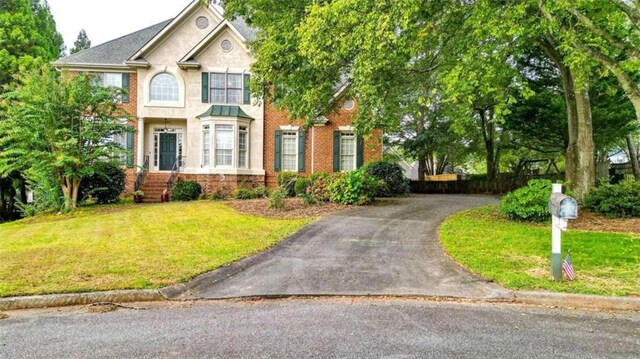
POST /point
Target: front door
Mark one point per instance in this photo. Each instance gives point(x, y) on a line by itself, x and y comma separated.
point(168, 150)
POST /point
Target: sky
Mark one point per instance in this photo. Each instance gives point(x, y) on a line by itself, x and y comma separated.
point(106, 20)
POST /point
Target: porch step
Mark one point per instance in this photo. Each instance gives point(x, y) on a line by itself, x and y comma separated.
point(153, 186)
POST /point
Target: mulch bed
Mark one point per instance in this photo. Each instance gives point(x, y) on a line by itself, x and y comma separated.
point(294, 208)
point(595, 222)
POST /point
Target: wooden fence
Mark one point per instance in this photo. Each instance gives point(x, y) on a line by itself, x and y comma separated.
point(505, 183)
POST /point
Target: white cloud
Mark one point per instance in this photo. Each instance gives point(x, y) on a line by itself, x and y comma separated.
point(106, 20)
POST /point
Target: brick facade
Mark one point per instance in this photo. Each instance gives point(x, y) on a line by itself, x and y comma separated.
point(131, 108)
point(322, 138)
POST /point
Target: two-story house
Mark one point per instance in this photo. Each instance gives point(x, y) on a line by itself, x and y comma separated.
point(188, 89)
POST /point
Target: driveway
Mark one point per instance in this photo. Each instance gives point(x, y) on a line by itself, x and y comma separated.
point(391, 248)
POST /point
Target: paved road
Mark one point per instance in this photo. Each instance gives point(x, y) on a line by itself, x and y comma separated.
point(361, 328)
point(390, 248)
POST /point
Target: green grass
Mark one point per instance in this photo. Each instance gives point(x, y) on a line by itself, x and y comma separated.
point(129, 246)
point(516, 255)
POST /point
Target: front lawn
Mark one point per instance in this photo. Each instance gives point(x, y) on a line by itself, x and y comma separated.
point(516, 255)
point(129, 247)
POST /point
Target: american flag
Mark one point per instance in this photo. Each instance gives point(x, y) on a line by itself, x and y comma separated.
point(567, 268)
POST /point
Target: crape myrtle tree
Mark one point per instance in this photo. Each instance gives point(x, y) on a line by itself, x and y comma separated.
point(61, 124)
point(27, 34)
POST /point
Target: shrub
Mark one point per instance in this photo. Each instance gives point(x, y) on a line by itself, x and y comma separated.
point(221, 194)
point(308, 199)
point(301, 185)
point(615, 200)
point(276, 200)
point(355, 187)
point(251, 193)
point(319, 187)
point(261, 192)
point(186, 191)
point(391, 173)
point(106, 185)
point(243, 193)
point(287, 181)
point(530, 203)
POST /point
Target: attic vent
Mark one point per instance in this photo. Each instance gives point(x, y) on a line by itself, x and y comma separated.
point(226, 45)
point(202, 22)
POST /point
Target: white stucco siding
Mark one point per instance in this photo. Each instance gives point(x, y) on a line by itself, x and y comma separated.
point(184, 37)
point(212, 58)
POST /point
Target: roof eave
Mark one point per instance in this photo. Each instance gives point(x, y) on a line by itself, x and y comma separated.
point(85, 66)
point(138, 64)
point(189, 65)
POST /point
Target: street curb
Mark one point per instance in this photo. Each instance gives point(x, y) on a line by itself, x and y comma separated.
point(581, 301)
point(62, 300)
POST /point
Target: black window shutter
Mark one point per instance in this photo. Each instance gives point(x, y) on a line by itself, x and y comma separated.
point(125, 87)
point(359, 152)
point(247, 89)
point(336, 150)
point(277, 155)
point(205, 87)
point(130, 149)
point(302, 139)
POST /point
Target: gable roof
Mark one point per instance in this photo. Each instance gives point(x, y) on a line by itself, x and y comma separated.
point(114, 52)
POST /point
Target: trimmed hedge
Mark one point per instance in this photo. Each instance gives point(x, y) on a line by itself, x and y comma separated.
point(530, 203)
point(396, 184)
point(185, 191)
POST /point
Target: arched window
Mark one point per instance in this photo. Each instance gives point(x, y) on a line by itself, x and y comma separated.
point(164, 87)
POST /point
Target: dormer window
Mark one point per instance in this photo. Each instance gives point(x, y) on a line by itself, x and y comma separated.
point(164, 88)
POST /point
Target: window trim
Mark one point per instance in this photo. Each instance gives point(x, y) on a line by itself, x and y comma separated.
point(241, 89)
point(354, 136)
point(233, 146)
point(154, 103)
point(206, 160)
point(282, 155)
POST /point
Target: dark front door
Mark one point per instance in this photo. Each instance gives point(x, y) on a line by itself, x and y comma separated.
point(168, 150)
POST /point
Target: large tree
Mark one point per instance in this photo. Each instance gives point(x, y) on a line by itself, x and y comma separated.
point(27, 36)
point(60, 124)
point(81, 43)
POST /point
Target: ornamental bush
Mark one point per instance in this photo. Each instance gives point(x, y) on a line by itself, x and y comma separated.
point(287, 181)
point(301, 185)
point(530, 203)
point(356, 187)
point(276, 200)
point(185, 191)
point(318, 187)
point(393, 176)
point(106, 185)
point(615, 200)
point(243, 193)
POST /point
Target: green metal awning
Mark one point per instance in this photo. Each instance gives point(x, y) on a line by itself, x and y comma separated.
point(225, 111)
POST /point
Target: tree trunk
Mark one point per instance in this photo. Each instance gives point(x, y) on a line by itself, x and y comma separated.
point(572, 175)
point(586, 171)
point(422, 167)
point(489, 136)
point(633, 157)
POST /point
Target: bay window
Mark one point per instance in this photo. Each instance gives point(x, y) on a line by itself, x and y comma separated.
point(243, 147)
point(206, 145)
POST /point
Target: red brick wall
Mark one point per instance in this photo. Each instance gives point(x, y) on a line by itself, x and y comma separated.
point(323, 156)
point(132, 110)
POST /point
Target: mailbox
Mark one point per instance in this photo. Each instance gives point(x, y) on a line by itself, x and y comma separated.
point(563, 207)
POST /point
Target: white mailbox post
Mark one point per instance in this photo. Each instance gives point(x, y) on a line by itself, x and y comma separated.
point(562, 208)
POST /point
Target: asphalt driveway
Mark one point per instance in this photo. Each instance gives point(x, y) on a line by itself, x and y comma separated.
point(391, 248)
